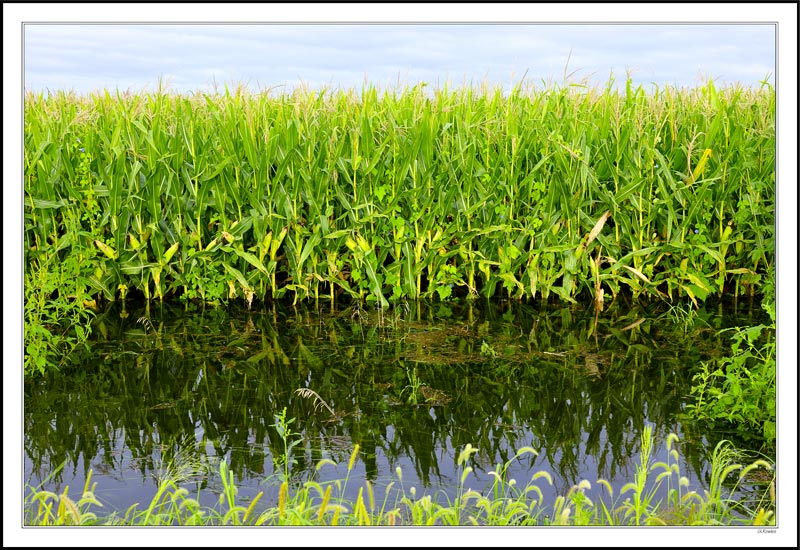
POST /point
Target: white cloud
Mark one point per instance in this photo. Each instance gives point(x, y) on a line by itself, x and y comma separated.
point(90, 56)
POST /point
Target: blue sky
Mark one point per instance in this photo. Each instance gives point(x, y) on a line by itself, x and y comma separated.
point(89, 57)
point(342, 46)
point(680, 45)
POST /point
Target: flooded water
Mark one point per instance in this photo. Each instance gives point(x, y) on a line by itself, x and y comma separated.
point(411, 386)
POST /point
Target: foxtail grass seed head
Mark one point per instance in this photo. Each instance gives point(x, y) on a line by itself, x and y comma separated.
point(324, 504)
point(370, 495)
point(173, 505)
point(563, 518)
point(353, 457)
point(282, 499)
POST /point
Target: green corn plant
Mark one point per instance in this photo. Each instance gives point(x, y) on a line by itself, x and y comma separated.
point(507, 184)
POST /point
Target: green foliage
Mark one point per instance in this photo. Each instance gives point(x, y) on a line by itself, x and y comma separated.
point(56, 318)
point(283, 427)
point(682, 506)
point(502, 504)
point(739, 389)
point(44, 508)
point(487, 350)
point(413, 387)
point(407, 193)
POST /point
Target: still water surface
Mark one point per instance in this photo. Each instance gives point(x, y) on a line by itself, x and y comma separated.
point(411, 386)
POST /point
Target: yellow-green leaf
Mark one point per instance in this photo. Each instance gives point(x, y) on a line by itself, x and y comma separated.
point(171, 252)
point(107, 250)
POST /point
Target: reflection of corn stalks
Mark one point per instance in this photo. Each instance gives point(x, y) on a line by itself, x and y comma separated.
point(413, 387)
point(398, 314)
point(358, 314)
point(405, 307)
point(682, 316)
point(148, 326)
point(591, 365)
point(318, 401)
point(147, 323)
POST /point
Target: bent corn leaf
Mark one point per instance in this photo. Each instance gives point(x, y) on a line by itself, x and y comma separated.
point(107, 250)
point(171, 252)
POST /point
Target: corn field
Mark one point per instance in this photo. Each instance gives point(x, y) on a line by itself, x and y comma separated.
point(575, 193)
